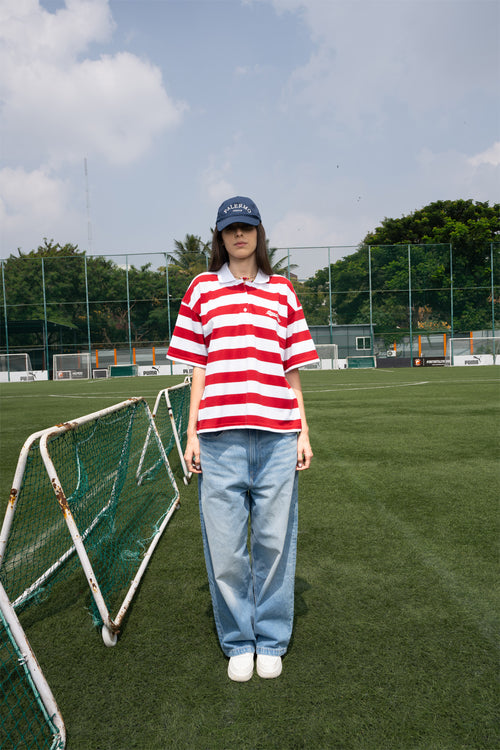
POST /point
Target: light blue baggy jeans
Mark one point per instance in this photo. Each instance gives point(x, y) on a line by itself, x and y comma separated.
point(250, 476)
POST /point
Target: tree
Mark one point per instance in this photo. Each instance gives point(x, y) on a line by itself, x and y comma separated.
point(61, 287)
point(281, 266)
point(468, 228)
point(190, 256)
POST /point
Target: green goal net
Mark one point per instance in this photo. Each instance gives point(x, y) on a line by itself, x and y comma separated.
point(171, 414)
point(29, 716)
point(84, 494)
point(35, 547)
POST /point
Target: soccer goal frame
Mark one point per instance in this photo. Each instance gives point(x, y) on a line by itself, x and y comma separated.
point(16, 368)
point(328, 357)
point(73, 489)
point(470, 350)
point(123, 371)
point(72, 366)
point(30, 716)
point(171, 413)
point(357, 362)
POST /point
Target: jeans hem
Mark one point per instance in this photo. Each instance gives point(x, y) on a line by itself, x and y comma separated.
point(240, 651)
point(262, 651)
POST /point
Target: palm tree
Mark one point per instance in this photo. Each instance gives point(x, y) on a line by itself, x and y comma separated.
point(281, 266)
point(190, 256)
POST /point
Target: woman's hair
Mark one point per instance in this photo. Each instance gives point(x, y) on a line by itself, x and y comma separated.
point(219, 254)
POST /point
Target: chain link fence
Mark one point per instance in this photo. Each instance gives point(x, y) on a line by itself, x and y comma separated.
point(122, 308)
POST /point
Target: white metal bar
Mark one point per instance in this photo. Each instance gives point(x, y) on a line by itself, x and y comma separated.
point(33, 667)
point(150, 428)
point(111, 625)
point(140, 572)
point(187, 474)
point(174, 505)
point(71, 523)
point(14, 493)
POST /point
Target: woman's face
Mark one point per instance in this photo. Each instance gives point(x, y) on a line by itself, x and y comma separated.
point(240, 241)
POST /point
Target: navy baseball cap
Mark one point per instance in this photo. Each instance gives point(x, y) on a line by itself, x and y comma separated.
point(237, 210)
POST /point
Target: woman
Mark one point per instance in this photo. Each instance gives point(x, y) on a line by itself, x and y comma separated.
point(243, 331)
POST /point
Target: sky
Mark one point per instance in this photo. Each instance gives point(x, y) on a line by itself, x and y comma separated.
point(125, 123)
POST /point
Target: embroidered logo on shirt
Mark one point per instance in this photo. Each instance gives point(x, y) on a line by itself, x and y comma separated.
point(273, 314)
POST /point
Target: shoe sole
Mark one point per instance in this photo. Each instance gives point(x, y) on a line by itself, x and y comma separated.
point(269, 675)
point(238, 677)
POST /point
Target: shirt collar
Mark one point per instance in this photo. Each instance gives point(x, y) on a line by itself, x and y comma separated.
point(227, 278)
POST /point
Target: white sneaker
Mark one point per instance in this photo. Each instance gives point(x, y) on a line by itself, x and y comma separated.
point(268, 666)
point(240, 668)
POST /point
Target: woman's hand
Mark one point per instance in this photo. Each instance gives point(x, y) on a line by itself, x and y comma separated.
point(192, 454)
point(304, 451)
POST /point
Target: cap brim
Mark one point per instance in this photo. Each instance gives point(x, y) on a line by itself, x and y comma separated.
point(223, 223)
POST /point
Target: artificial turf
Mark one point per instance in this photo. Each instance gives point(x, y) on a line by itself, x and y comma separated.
point(395, 643)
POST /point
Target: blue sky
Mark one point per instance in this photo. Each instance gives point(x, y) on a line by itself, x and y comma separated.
point(330, 114)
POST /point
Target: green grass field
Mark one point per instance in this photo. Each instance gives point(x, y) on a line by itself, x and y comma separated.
point(395, 643)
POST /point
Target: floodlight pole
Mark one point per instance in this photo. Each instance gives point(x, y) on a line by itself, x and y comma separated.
point(45, 321)
point(410, 304)
point(128, 314)
point(330, 296)
point(168, 310)
point(6, 324)
point(451, 288)
point(168, 299)
point(370, 296)
point(492, 293)
point(87, 308)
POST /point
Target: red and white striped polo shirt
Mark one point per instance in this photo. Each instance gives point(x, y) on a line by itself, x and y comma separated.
point(246, 335)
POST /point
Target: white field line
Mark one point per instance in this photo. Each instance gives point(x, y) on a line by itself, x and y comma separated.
point(351, 387)
point(107, 395)
point(339, 387)
point(364, 387)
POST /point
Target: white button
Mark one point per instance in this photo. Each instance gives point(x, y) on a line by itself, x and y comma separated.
point(244, 309)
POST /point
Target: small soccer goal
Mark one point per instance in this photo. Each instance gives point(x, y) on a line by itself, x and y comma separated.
point(361, 362)
point(328, 357)
point(95, 493)
point(100, 372)
point(473, 351)
point(123, 371)
point(71, 366)
point(171, 414)
point(16, 368)
point(29, 716)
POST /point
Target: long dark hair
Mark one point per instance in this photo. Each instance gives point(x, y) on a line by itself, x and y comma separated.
point(219, 254)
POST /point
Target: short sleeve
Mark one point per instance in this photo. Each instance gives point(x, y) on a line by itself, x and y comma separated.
point(187, 344)
point(299, 348)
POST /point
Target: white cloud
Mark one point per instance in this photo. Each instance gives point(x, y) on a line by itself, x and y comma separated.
point(215, 182)
point(113, 106)
point(32, 34)
point(249, 70)
point(28, 198)
point(370, 55)
point(310, 241)
point(490, 156)
point(453, 173)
